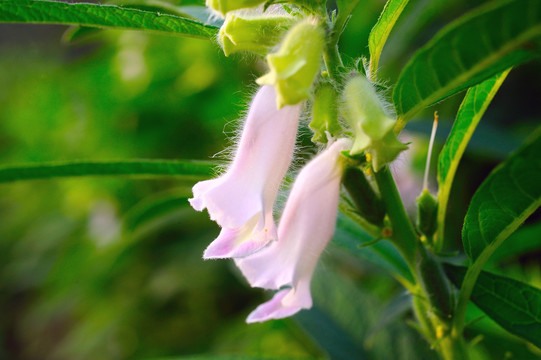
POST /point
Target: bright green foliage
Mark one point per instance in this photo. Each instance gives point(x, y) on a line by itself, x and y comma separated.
point(469, 114)
point(255, 34)
point(188, 170)
point(101, 16)
point(294, 66)
point(505, 199)
point(106, 255)
point(469, 51)
point(378, 36)
point(514, 305)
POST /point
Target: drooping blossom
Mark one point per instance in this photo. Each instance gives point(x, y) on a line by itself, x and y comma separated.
point(241, 200)
point(306, 226)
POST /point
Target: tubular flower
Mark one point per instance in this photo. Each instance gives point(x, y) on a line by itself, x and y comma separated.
point(241, 201)
point(306, 226)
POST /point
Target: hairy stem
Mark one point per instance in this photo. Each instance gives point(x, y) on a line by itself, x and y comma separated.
point(404, 236)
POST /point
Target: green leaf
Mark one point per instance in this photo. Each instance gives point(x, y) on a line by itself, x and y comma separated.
point(522, 241)
point(481, 44)
point(101, 16)
point(349, 236)
point(327, 334)
point(379, 33)
point(155, 209)
point(469, 114)
point(335, 323)
point(504, 200)
point(184, 170)
point(514, 305)
point(219, 357)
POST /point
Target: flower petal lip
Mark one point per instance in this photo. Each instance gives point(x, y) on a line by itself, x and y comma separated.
point(248, 189)
point(306, 227)
point(233, 243)
point(284, 303)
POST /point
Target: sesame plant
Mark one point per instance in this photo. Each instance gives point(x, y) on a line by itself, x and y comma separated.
point(355, 115)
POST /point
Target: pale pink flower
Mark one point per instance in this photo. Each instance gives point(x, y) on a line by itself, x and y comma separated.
point(306, 226)
point(241, 201)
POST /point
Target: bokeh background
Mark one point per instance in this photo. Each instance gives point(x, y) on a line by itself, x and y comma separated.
point(111, 268)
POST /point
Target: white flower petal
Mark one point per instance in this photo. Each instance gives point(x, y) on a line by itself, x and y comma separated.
point(249, 187)
point(307, 225)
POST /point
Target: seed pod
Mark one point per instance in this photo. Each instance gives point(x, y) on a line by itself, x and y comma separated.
point(366, 200)
point(427, 212)
point(434, 283)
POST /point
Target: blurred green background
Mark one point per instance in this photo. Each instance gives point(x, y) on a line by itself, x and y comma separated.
point(111, 268)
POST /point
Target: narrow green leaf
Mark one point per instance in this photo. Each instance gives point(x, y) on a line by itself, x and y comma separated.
point(101, 16)
point(155, 207)
point(477, 46)
point(197, 13)
point(379, 33)
point(220, 357)
point(514, 305)
point(469, 114)
point(504, 200)
point(185, 170)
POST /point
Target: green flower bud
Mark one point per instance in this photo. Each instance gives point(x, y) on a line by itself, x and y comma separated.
point(224, 6)
point(294, 66)
point(373, 128)
point(325, 113)
point(256, 34)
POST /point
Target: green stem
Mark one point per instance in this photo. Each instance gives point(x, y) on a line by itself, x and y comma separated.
point(404, 236)
point(331, 56)
point(467, 287)
point(333, 61)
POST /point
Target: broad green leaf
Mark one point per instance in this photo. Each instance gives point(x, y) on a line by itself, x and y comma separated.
point(469, 114)
point(379, 33)
point(524, 240)
point(184, 170)
point(101, 16)
point(477, 46)
point(349, 236)
point(327, 334)
point(504, 200)
point(514, 305)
